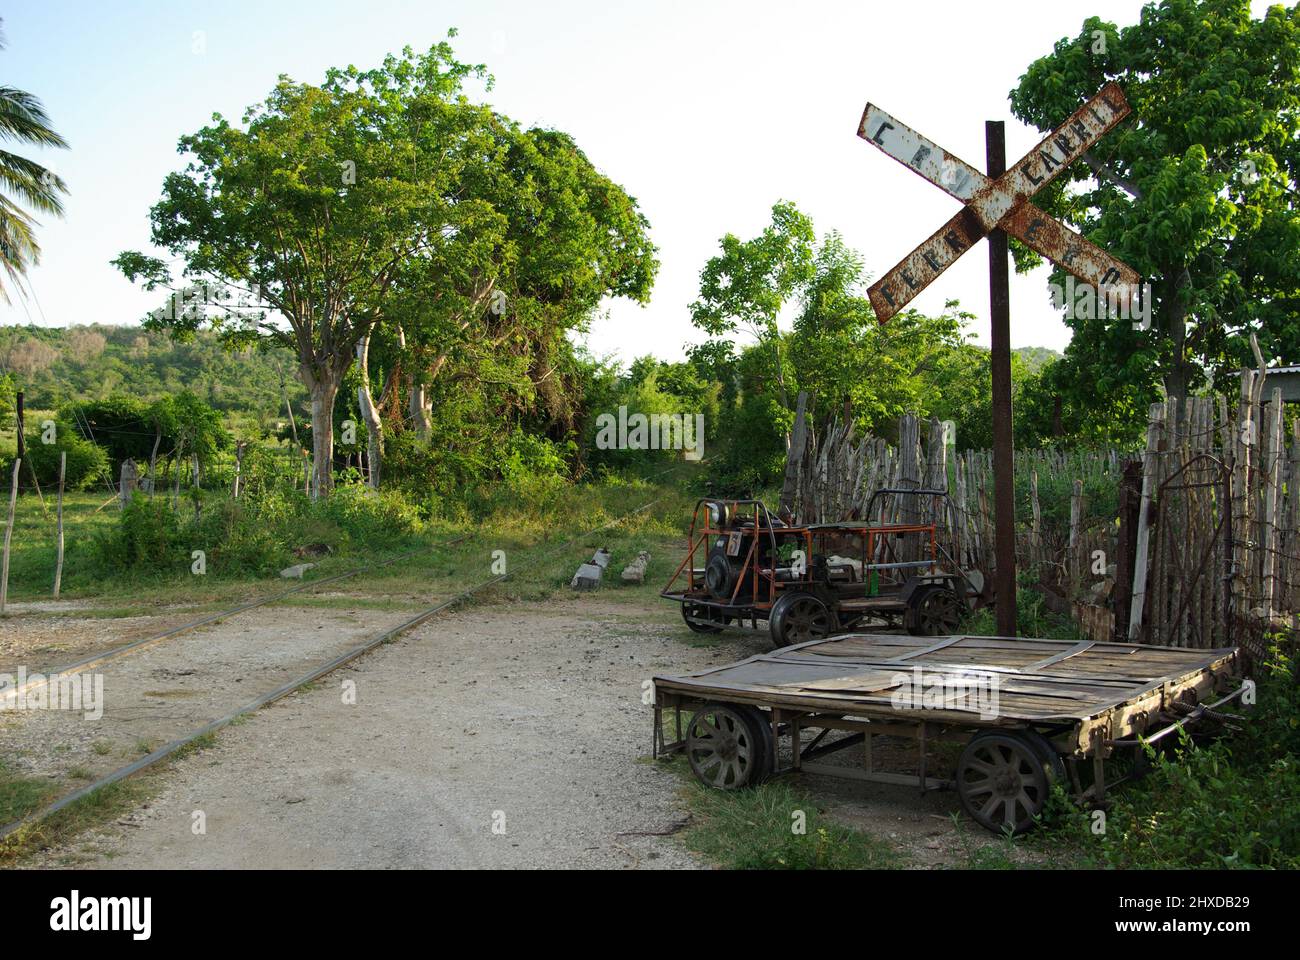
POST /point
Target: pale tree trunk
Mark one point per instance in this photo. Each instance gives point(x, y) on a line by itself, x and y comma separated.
point(374, 426)
point(420, 411)
point(322, 394)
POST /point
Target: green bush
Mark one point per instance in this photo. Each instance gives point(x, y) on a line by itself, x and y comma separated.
point(1232, 803)
point(362, 514)
point(148, 535)
point(249, 536)
point(87, 463)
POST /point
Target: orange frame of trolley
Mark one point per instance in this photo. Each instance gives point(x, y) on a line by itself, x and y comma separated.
point(700, 536)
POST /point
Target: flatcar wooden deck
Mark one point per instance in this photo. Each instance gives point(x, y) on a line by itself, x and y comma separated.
point(1084, 692)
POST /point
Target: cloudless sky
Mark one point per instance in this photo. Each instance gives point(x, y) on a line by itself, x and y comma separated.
point(706, 112)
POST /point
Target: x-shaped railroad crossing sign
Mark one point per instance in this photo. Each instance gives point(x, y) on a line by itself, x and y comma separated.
point(1001, 204)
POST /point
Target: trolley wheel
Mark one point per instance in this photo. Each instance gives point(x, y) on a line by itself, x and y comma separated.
point(726, 747)
point(1002, 782)
point(1052, 761)
point(692, 613)
point(798, 618)
point(933, 611)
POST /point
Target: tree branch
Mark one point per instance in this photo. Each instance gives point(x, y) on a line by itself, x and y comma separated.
point(1104, 172)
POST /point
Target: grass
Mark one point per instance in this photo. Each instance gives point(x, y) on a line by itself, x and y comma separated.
point(23, 796)
point(544, 533)
point(774, 826)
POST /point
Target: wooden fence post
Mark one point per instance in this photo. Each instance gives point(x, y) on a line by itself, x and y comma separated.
point(9, 536)
point(1130, 492)
point(239, 467)
point(128, 481)
point(58, 562)
point(1151, 464)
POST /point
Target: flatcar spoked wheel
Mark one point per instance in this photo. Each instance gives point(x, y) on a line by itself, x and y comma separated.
point(938, 612)
point(722, 748)
point(1002, 782)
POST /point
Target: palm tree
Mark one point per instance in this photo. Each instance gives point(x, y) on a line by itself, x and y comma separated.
point(23, 119)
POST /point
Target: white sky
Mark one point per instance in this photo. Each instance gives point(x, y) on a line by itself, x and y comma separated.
point(707, 112)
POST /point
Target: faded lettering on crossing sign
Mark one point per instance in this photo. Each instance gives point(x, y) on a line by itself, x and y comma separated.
point(1001, 204)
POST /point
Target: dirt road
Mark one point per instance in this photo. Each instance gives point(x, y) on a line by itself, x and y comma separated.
point(492, 737)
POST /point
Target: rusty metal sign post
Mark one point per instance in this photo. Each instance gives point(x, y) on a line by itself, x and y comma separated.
point(994, 206)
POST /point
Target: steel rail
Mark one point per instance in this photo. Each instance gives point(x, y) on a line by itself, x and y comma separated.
point(96, 659)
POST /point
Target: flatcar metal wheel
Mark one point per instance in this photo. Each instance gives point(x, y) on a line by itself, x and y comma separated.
point(1002, 782)
point(1051, 759)
point(934, 611)
point(798, 618)
point(724, 748)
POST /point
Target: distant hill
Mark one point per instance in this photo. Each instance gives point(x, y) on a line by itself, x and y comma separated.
point(1036, 357)
point(54, 365)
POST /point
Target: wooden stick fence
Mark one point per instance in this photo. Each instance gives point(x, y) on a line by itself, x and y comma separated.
point(1207, 543)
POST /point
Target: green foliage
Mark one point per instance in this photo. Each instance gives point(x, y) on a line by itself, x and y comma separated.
point(750, 455)
point(466, 246)
point(1196, 192)
point(24, 182)
point(149, 535)
point(127, 428)
point(527, 457)
point(248, 537)
point(7, 393)
point(1231, 803)
point(87, 463)
point(747, 284)
point(93, 363)
point(752, 830)
point(1033, 618)
point(650, 387)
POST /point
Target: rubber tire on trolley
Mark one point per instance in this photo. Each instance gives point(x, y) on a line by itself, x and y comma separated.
point(729, 746)
point(700, 612)
point(933, 610)
point(1002, 781)
point(798, 618)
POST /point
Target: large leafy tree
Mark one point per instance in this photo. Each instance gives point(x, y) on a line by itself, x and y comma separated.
point(746, 286)
point(395, 225)
point(849, 362)
point(24, 182)
point(1197, 191)
point(315, 205)
point(570, 237)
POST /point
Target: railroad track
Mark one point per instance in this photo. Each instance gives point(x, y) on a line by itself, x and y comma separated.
point(284, 689)
point(136, 646)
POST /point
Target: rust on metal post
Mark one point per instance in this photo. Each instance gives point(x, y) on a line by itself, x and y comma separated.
point(1000, 364)
point(991, 204)
point(1043, 234)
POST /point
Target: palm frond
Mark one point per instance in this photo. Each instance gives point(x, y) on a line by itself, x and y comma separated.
point(23, 118)
point(36, 185)
point(18, 247)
